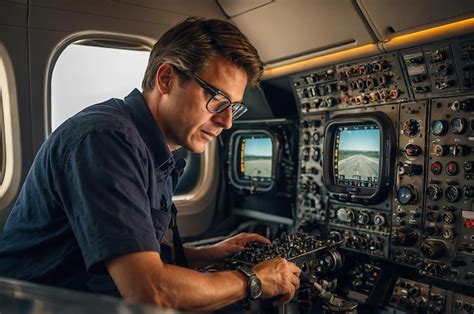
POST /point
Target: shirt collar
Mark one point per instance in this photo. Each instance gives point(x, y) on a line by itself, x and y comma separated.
point(148, 128)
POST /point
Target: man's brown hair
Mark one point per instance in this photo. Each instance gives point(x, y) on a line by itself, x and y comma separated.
point(193, 43)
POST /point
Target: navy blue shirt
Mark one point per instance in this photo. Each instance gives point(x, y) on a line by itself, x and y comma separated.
point(100, 187)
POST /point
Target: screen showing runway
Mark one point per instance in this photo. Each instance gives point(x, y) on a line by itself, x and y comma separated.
point(257, 157)
point(357, 155)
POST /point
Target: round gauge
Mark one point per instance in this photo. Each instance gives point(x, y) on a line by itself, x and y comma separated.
point(412, 150)
point(411, 127)
point(434, 192)
point(452, 168)
point(453, 193)
point(436, 168)
point(438, 127)
point(406, 195)
point(458, 125)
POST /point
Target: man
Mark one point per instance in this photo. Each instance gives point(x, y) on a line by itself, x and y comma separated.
point(97, 201)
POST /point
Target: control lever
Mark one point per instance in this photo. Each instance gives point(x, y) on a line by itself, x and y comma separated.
point(332, 302)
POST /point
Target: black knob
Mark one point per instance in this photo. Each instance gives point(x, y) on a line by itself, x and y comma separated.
point(410, 169)
point(468, 166)
point(363, 219)
point(440, 150)
point(459, 150)
point(453, 193)
point(404, 237)
point(468, 191)
point(432, 230)
point(433, 249)
point(411, 127)
point(432, 216)
point(412, 150)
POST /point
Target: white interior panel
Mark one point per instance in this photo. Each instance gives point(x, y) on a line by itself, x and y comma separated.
point(233, 8)
point(285, 29)
point(390, 18)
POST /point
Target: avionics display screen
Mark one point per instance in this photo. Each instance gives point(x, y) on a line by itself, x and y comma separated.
point(256, 158)
point(357, 155)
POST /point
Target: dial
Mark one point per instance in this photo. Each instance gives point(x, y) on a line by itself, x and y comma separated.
point(433, 249)
point(411, 127)
point(458, 125)
point(452, 168)
point(453, 193)
point(406, 195)
point(412, 150)
point(434, 192)
point(436, 168)
point(438, 127)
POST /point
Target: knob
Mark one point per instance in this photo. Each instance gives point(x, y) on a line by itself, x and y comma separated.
point(459, 150)
point(316, 137)
point(306, 137)
point(438, 56)
point(379, 220)
point(468, 166)
point(412, 150)
point(316, 154)
point(440, 150)
point(464, 105)
point(411, 127)
point(433, 249)
point(468, 191)
point(432, 216)
point(404, 237)
point(363, 219)
point(434, 192)
point(432, 231)
point(448, 218)
point(410, 169)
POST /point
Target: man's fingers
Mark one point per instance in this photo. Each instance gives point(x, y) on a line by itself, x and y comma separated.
point(294, 269)
point(254, 237)
point(286, 297)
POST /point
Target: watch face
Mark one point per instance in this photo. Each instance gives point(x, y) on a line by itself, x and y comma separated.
point(255, 288)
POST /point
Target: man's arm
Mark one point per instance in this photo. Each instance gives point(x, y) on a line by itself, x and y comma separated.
point(143, 277)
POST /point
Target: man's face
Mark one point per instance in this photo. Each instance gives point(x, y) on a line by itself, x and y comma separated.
point(187, 122)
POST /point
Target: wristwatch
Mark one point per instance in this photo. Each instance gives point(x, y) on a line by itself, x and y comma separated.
point(254, 285)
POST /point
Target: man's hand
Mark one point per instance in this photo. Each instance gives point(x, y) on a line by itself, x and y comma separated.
point(279, 277)
point(218, 252)
point(235, 244)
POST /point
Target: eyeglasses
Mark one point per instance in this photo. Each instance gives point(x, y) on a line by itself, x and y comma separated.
point(218, 102)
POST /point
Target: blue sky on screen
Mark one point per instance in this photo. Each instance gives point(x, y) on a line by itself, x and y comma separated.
point(360, 140)
point(258, 147)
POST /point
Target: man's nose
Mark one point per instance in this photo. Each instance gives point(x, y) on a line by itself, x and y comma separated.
point(224, 119)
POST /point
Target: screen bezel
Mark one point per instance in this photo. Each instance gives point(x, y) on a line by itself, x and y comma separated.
point(387, 149)
point(236, 178)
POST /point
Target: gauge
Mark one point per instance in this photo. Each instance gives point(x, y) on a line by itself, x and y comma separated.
point(434, 192)
point(411, 127)
point(458, 125)
point(452, 168)
point(436, 168)
point(406, 195)
point(452, 193)
point(438, 127)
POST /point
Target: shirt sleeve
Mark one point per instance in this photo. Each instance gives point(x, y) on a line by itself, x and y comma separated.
point(104, 195)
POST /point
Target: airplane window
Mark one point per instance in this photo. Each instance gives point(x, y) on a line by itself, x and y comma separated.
point(85, 74)
point(2, 141)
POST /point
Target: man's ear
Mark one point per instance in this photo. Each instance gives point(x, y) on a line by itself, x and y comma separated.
point(164, 78)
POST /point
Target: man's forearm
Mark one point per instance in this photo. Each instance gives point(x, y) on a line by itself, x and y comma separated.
point(186, 289)
point(199, 257)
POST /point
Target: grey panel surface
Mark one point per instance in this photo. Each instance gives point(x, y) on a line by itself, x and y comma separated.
point(286, 29)
point(23, 297)
point(390, 18)
point(235, 7)
point(13, 14)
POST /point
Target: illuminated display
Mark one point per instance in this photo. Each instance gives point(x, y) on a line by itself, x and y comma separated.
point(356, 158)
point(256, 157)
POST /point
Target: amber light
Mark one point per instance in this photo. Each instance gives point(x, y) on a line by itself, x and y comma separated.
point(443, 31)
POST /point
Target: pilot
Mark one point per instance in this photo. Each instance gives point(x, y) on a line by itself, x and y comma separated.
point(96, 202)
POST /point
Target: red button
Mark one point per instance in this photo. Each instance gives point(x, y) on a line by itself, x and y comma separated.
point(469, 223)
